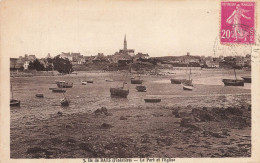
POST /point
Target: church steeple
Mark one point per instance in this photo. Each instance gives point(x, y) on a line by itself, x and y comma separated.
point(125, 43)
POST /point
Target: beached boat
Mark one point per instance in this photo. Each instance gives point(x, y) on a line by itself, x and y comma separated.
point(109, 80)
point(40, 95)
point(84, 83)
point(63, 84)
point(136, 81)
point(177, 81)
point(187, 84)
point(233, 82)
point(120, 92)
point(152, 100)
point(58, 90)
point(247, 79)
point(141, 88)
point(14, 102)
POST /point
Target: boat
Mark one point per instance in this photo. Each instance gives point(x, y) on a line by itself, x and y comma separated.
point(187, 84)
point(141, 88)
point(63, 84)
point(136, 81)
point(247, 79)
point(120, 92)
point(39, 95)
point(58, 90)
point(83, 82)
point(152, 100)
point(64, 101)
point(90, 81)
point(177, 81)
point(14, 102)
point(233, 82)
point(109, 80)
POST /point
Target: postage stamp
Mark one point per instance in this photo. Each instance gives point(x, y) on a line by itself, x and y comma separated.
point(237, 22)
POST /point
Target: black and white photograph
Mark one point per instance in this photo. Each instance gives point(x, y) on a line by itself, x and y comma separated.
point(129, 81)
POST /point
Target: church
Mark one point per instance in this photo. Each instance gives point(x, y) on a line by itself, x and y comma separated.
point(126, 51)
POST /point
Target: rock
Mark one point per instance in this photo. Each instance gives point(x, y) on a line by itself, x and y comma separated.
point(103, 110)
point(187, 122)
point(202, 115)
point(106, 126)
point(123, 118)
point(233, 111)
point(213, 134)
point(86, 147)
point(60, 113)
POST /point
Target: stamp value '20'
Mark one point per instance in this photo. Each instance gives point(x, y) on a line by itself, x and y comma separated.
point(237, 22)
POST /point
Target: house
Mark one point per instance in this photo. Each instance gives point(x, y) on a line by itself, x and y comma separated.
point(66, 55)
point(141, 55)
point(13, 62)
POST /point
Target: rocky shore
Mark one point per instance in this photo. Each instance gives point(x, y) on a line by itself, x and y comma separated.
point(138, 132)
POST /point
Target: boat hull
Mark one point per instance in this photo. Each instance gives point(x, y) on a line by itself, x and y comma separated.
point(188, 88)
point(140, 88)
point(15, 103)
point(148, 100)
point(84, 83)
point(232, 82)
point(64, 85)
point(57, 90)
point(177, 81)
point(39, 95)
point(247, 79)
point(118, 93)
point(136, 81)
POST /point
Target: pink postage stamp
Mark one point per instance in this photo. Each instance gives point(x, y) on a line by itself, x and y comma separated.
point(237, 22)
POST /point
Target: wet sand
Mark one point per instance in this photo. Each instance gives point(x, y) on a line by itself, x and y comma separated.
point(211, 121)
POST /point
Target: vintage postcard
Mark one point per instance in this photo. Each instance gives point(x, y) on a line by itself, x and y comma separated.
point(129, 81)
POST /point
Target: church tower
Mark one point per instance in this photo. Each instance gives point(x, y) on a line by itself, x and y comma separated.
point(125, 44)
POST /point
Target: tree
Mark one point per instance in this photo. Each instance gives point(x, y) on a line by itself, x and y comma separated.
point(36, 65)
point(62, 65)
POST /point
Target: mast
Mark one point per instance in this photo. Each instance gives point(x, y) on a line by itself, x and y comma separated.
point(190, 73)
point(12, 91)
point(235, 73)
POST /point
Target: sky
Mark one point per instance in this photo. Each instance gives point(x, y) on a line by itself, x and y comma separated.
point(159, 28)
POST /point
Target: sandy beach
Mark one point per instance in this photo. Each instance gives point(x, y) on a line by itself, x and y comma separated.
point(210, 121)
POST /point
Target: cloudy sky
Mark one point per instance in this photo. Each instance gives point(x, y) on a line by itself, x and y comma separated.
point(159, 28)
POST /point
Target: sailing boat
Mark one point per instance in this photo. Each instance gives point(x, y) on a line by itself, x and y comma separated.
point(120, 92)
point(233, 82)
point(14, 102)
point(63, 84)
point(187, 84)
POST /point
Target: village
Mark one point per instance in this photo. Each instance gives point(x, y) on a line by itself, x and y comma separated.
point(125, 56)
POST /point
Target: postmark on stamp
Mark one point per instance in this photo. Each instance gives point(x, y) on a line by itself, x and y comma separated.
point(237, 22)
